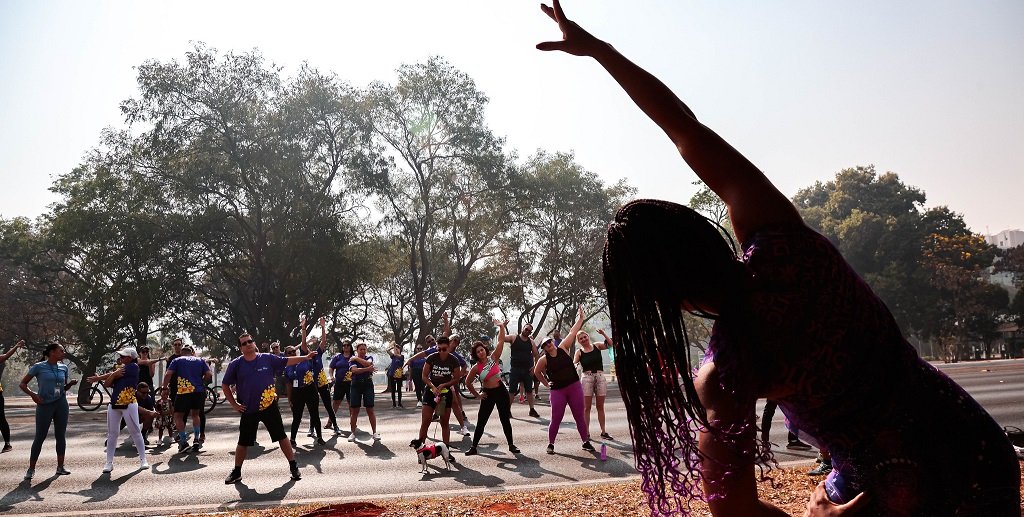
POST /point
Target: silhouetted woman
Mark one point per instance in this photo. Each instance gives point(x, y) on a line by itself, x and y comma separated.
point(794, 324)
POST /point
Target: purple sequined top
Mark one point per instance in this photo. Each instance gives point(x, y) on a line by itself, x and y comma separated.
point(896, 427)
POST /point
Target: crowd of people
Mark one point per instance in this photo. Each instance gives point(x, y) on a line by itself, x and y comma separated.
point(304, 377)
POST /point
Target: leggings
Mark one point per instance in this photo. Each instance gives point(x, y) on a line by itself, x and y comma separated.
point(131, 417)
point(572, 396)
point(5, 429)
point(417, 381)
point(395, 385)
point(496, 396)
point(305, 397)
point(325, 398)
point(56, 412)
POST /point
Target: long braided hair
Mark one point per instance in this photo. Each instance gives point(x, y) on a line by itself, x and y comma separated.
point(659, 255)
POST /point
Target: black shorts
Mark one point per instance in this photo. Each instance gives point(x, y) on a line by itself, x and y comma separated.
point(186, 402)
point(271, 418)
point(341, 390)
point(520, 376)
point(432, 401)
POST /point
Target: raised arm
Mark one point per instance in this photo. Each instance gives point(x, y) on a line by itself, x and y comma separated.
point(570, 338)
point(447, 332)
point(6, 356)
point(499, 344)
point(752, 200)
point(323, 334)
point(606, 344)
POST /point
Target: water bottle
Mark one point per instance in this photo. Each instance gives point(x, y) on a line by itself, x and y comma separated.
point(604, 451)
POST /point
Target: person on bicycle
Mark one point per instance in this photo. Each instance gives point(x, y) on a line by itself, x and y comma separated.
point(193, 373)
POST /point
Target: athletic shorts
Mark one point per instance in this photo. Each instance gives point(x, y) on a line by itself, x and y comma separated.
point(361, 393)
point(432, 401)
point(520, 376)
point(341, 390)
point(594, 383)
point(186, 402)
point(271, 418)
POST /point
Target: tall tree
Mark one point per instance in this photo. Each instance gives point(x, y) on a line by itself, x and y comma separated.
point(443, 197)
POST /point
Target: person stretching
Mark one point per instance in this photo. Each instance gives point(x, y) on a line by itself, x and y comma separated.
point(555, 370)
point(494, 391)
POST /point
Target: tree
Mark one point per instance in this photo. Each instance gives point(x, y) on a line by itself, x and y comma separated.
point(444, 196)
point(256, 172)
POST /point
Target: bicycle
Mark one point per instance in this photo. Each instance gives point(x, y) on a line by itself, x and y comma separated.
point(98, 394)
point(213, 397)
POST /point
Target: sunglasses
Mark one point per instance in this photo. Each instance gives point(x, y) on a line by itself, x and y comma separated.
point(247, 341)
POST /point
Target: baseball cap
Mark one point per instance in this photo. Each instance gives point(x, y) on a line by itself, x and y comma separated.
point(128, 352)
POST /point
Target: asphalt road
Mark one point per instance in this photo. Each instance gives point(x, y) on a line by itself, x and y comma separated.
point(344, 471)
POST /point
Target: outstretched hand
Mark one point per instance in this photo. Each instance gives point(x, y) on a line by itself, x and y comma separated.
point(575, 40)
point(820, 506)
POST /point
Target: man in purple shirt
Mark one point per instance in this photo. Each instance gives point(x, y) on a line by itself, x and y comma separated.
point(253, 377)
point(192, 373)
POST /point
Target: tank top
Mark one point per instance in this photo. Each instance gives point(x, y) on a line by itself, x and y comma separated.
point(521, 353)
point(592, 361)
point(561, 371)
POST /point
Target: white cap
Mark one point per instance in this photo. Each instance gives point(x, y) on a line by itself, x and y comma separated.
point(128, 352)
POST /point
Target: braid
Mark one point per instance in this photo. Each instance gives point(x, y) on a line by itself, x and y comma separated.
point(653, 357)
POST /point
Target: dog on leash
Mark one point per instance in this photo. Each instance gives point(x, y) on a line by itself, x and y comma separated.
point(430, 451)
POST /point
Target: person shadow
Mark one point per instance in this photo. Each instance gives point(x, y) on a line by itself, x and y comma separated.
point(105, 487)
point(524, 466)
point(246, 494)
point(24, 491)
point(312, 457)
point(180, 463)
point(376, 449)
point(458, 472)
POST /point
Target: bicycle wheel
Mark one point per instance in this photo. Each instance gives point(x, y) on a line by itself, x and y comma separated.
point(464, 391)
point(211, 401)
point(94, 402)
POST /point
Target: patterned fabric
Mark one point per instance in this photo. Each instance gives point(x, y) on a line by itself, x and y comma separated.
point(895, 425)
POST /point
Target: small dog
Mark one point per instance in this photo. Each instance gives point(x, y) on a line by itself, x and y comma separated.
point(430, 451)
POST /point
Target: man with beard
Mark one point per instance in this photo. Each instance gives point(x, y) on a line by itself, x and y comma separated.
point(523, 352)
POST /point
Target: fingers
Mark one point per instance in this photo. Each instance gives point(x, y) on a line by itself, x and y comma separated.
point(860, 500)
point(559, 13)
point(548, 11)
point(551, 45)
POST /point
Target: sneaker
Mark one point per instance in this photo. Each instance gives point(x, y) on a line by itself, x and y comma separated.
point(513, 449)
point(419, 405)
point(234, 477)
point(587, 446)
point(295, 473)
point(337, 430)
point(437, 417)
point(198, 444)
point(798, 445)
point(320, 441)
point(606, 436)
point(375, 436)
point(352, 437)
point(61, 471)
point(465, 431)
point(7, 448)
point(400, 405)
point(29, 473)
point(310, 433)
point(534, 413)
point(292, 442)
point(471, 451)
point(822, 469)
point(182, 446)
point(144, 465)
point(108, 468)
point(551, 448)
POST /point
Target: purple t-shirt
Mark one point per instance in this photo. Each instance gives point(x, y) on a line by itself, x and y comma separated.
point(301, 375)
point(124, 388)
point(364, 375)
point(254, 380)
point(396, 363)
point(190, 371)
point(340, 364)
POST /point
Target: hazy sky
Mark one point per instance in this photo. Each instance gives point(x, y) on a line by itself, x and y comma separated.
point(932, 90)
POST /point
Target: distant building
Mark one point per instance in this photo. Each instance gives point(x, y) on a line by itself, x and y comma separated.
point(1006, 239)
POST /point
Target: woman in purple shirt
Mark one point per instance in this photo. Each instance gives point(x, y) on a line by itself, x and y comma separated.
point(123, 404)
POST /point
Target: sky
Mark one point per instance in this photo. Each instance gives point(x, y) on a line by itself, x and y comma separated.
point(932, 90)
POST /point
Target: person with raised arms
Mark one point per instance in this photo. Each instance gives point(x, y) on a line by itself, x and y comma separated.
point(555, 370)
point(495, 393)
point(904, 438)
point(249, 386)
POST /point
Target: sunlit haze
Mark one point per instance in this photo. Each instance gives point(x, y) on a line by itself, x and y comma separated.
point(931, 90)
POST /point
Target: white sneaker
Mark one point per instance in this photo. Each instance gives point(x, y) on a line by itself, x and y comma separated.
point(108, 468)
point(352, 437)
point(144, 465)
point(376, 436)
point(465, 430)
point(419, 404)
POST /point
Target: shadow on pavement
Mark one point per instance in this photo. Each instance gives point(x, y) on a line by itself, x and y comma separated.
point(376, 449)
point(104, 487)
point(24, 491)
point(179, 463)
point(528, 467)
point(311, 457)
point(246, 494)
